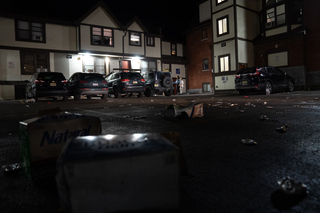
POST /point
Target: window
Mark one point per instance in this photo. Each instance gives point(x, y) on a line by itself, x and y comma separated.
point(206, 87)
point(30, 31)
point(150, 41)
point(222, 25)
point(135, 39)
point(276, 16)
point(224, 63)
point(204, 34)
point(101, 36)
point(173, 49)
point(205, 64)
point(271, 2)
point(297, 11)
point(220, 1)
point(33, 62)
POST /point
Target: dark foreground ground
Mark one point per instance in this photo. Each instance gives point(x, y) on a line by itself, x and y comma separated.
point(224, 175)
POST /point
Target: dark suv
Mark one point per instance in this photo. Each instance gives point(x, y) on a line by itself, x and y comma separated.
point(47, 84)
point(158, 81)
point(127, 82)
point(267, 79)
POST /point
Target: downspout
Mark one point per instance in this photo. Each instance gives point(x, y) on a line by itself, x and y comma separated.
point(125, 33)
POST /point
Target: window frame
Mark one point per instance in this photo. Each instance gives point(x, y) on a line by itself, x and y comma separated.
point(43, 31)
point(275, 17)
point(227, 20)
point(151, 39)
point(35, 64)
point(219, 63)
point(140, 41)
point(204, 34)
point(175, 48)
point(203, 64)
point(206, 83)
point(102, 36)
point(219, 3)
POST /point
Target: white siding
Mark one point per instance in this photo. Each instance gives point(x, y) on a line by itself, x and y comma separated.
point(166, 48)
point(220, 6)
point(130, 49)
point(226, 84)
point(12, 72)
point(247, 24)
point(6, 92)
point(182, 69)
point(100, 17)
point(204, 11)
point(154, 51)
point(276, 31)
point(180, 50)
point(135, 27)
point(228, 49)
point(65, 65)
point(231, 23)
point(278, 59)
point(255, 5)
point(246, 52)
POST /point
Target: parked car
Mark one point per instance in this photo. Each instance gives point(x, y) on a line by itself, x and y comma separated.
point(126, 82)
point(158, 81)
point(267, 79)
point(47, 84)
point(87, 84)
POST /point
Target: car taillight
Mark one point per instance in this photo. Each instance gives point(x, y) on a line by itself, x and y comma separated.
point(38, 81)
point(124, 80)
point(237, 76)
point(104, 82)
point(143, 80)
point(64, 81)
point(83, 82)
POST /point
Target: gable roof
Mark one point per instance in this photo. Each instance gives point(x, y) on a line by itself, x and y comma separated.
point(137, 20)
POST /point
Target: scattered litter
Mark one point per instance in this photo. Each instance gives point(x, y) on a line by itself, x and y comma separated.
point(248, 142)
point(129, 104)
point(105, 107)
point(151, 100)
point(290, 186)
point(30, 100)
point(267, 91)
point(282, 129)
point(264, 103)
point(151, 107)
point(126, 116)
point(269, 107)
point(10, 134)
point(194, 110)
point(27, 105)
point(264, 118)
point(298, 106)
point(249, 104)
point(121, 105)
point(239, 109)
point(11, 169)
point(173, 99)
point(138, 117)
point(245, 96)
point(49, 103)
point(193, 101)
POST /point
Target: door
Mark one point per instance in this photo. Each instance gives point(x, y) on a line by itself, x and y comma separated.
point(126, 65)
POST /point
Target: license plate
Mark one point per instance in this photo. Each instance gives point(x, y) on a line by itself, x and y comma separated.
point(53, 84)
point(244, 82)
point(135, 82)
point(95, 84)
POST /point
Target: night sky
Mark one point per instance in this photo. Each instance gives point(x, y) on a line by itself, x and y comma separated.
point(173, 16)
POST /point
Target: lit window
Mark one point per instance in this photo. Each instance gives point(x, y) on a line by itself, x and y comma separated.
point(221, 1)
point(30, 31)
point(205, 64)
point(223, 26)
point(102, 36)
point(224, 63)
point(135, 38)
point(173, 49)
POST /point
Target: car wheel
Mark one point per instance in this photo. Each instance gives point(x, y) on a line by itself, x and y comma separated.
point(268, 87)
point(148, 91)
point(104, 97)
point(167, 82)
point(116, 93)
point(140, 94)
point(168, 93)
point(65, 98)
point(89, 97)
point(290, 86)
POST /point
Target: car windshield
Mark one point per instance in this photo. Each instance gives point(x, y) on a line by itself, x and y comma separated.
point(91, 76)
point(247, 70)
point(131, 75)
point(51, 76)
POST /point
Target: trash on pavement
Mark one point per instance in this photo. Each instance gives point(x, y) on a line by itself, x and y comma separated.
point(194, 110)
point(138, 117)
point(11, 169)
point(290, 186)
point(269, 107)
point(248, 142)
point(263, 118)
point(245, 96)
point(102, 173)
point(264, 103)
point(27, 105)
point(282, 129)
point(126, 116)
point(42, 139)
point(121, 106)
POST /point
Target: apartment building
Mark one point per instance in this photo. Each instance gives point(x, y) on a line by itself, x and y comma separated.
point(93, 41)
point(280, 33)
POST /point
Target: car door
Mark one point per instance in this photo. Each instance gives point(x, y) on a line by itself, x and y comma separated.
point(282, 80)
point(72, 82)
point(109, 82)
point(274, 78)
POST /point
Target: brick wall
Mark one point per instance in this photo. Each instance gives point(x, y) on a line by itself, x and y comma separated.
point(197, 50)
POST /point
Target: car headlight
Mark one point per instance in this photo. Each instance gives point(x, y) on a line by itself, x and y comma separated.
point(156, 85)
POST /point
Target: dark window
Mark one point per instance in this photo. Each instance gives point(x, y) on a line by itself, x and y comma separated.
point(135, 38)
point(102, 36)
point(30, 31)
point(34, 62)
point(220, 1)
point(150, 41)
point(204, 34)
point(271, 2)
point(222, 26)
point(205, 64)
point(173, 49)
point(275, 15)
point(297, 11)
point(91, 76)
point(52, 76)
point(206, 87)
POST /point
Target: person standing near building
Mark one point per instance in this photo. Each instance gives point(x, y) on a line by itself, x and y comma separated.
point(181, 86)
point(177, 82)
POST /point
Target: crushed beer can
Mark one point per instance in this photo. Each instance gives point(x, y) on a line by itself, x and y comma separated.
point(290, 186)
point(248, 142)
point(282, 129)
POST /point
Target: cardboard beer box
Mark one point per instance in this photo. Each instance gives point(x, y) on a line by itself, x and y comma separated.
point(119, 173)
point(42, 139)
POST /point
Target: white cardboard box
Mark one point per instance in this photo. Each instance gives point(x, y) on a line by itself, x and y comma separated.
point(42, 139)
point(114, 173)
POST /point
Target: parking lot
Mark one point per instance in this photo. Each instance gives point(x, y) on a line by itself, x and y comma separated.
point(224, 175)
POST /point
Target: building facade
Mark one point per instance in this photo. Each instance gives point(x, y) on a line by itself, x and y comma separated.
point(95, 42)
point(280, 33)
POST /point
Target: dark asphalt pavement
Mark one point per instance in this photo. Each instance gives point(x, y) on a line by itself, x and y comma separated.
point(224, 175)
